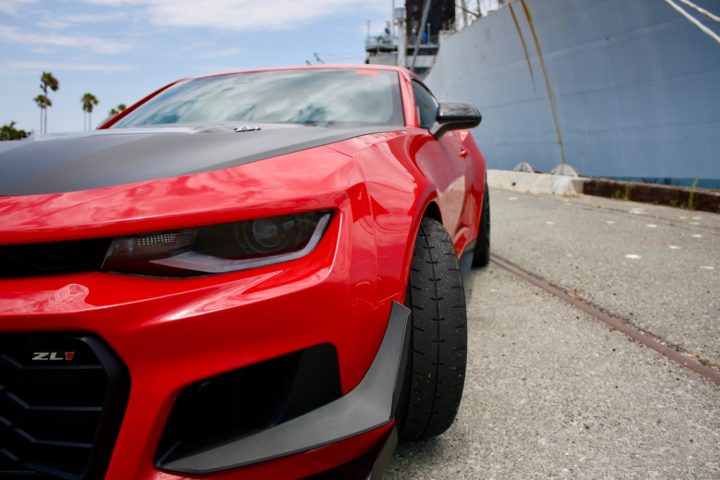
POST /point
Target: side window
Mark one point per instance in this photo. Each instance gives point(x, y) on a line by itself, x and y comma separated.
point(426, 105)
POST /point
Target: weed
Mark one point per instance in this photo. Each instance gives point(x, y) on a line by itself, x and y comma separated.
point(626, 196)
point(676, 203)
point(691, 198)
point(620, 195)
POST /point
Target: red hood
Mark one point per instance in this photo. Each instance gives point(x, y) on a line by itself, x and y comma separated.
point(306, 180)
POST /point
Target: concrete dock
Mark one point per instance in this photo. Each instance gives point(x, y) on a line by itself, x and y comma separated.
point(551, 392)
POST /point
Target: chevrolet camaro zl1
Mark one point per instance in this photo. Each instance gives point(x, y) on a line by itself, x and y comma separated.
point(251, 275)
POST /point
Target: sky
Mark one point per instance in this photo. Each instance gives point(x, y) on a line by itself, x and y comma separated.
point(122, 50)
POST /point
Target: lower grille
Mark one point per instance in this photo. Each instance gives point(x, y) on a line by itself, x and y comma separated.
point(62, 397)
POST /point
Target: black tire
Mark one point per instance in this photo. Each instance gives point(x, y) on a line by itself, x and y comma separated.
point(435, 373)
point(481, 255)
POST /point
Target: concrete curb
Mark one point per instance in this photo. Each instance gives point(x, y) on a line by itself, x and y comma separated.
point(536, 182)
point(673, 196)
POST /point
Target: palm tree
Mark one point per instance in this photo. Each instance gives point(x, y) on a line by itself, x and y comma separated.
point(118, 109)
point(88, 103)
point(43, 102)
point(47, 81)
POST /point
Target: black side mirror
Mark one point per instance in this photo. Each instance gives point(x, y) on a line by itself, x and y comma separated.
point(455, 116)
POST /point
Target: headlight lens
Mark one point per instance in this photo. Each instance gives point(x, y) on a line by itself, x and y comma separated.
point(221, 248)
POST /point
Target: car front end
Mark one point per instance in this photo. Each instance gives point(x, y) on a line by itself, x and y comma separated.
point(116, 361)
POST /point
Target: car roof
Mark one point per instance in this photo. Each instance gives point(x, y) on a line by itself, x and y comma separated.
point(400, 70)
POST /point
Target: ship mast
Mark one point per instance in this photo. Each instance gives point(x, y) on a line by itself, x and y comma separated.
point(420, 31)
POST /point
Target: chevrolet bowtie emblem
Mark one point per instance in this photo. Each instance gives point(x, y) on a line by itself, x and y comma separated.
point(246, 128)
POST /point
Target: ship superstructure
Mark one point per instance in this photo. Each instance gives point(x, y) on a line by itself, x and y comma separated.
point(413, 38)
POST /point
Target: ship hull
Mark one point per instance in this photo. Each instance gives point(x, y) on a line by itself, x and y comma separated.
point(614, 88)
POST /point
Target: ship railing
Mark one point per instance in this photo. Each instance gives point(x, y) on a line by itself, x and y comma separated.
point(425, 41)
point(381, 43)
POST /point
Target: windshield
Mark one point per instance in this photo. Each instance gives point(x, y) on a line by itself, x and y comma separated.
point(316, 97)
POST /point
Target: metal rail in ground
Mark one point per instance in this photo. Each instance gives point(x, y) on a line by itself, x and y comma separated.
point(645, 338)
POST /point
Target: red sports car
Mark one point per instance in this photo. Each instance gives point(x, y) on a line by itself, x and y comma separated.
point(250, 275)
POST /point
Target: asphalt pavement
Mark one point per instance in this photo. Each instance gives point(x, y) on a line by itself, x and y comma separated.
point(657, 267)
point(553, 393)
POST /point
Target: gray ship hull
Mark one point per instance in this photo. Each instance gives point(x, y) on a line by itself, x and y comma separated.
point(615, 88)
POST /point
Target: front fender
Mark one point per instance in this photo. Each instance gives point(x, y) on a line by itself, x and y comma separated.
point(399, 196)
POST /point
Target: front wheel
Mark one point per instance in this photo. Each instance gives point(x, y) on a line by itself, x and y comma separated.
point(435, 373)
point(481, 256)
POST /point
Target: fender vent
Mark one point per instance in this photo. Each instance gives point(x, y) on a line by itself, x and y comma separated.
point(62, 398)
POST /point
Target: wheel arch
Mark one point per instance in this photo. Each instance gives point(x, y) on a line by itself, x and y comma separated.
point(429, 209)
point(432, 210)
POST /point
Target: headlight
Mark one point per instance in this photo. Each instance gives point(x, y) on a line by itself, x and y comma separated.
point(228, 247)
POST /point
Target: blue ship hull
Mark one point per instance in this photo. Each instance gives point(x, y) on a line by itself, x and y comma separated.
point(615, 88)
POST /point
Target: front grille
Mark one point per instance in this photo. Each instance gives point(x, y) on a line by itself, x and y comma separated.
point(52, 258)
point(62, 397)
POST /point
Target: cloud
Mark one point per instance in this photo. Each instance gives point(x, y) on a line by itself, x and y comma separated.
point(14, 7)
point(242, 14)
point(99, 45)
point(80, 67)
point(66, 21)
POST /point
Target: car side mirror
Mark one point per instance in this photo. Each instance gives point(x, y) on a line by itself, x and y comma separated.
point(454, 116)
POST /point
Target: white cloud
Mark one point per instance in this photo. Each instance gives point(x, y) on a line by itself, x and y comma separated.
point(99, 45)
point(242, 14)
point(65, 21)
point(60, 66)
point(14, 7)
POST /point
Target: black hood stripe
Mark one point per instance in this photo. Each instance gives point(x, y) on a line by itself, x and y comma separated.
point(108, 158)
